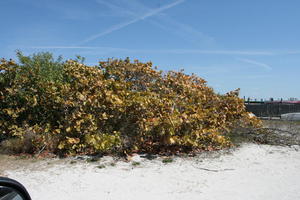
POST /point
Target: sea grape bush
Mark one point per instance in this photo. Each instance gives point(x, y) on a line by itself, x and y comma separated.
point(66, 107)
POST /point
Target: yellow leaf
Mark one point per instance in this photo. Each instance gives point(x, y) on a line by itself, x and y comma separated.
point(9, 112)
point(172, 140)
point(34, 101)
point(73, 140)
point(68, 129)
point(61, 145)
point(57, 130)
point(104, 116)
point(81, 97)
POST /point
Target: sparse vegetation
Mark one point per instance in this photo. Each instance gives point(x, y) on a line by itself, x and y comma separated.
point(275, 132)
point(93, 159)
point(286, 133)
point(167, 160)
point(68, 108)
point(101, 166)
point(136, 163)
point(73, 162)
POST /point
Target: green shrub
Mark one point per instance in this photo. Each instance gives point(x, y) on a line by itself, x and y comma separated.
point(118, 106)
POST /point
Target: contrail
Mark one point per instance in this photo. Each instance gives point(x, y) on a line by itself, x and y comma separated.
point(63, 47)
point(124, 24)
point(177, 51)
point(268, 67)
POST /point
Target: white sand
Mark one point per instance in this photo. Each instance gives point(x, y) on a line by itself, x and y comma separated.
point(250, 172)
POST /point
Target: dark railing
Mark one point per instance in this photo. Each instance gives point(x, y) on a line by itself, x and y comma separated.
point(271, 109)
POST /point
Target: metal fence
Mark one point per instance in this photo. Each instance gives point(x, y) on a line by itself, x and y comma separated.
point(271, 109)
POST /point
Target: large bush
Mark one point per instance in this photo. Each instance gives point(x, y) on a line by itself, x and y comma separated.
point(68, 107)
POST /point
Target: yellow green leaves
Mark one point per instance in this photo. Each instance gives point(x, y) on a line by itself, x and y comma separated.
point(73, 140)
point(104, 116)
point(115, 106)
point(80, 96)
point(57, 131)
point(34, 102)
point(61, 145)
point(9, 111)
point(103, 142)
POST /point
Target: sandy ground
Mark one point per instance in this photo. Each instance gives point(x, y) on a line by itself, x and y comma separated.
point(249, 172)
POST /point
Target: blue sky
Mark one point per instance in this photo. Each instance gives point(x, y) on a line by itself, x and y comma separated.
point(253, 45)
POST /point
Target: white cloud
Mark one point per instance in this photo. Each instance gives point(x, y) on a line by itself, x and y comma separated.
point(179, 51)
point(62, 47)
point(215, 52)
point(184, 51)
point(163, 51)
point(76, 47)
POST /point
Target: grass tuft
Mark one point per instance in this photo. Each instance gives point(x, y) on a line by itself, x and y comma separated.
point(101, 166)
point(167, 160)
point(136, 163)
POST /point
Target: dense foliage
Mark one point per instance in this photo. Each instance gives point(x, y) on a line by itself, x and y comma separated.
point(118, 106)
